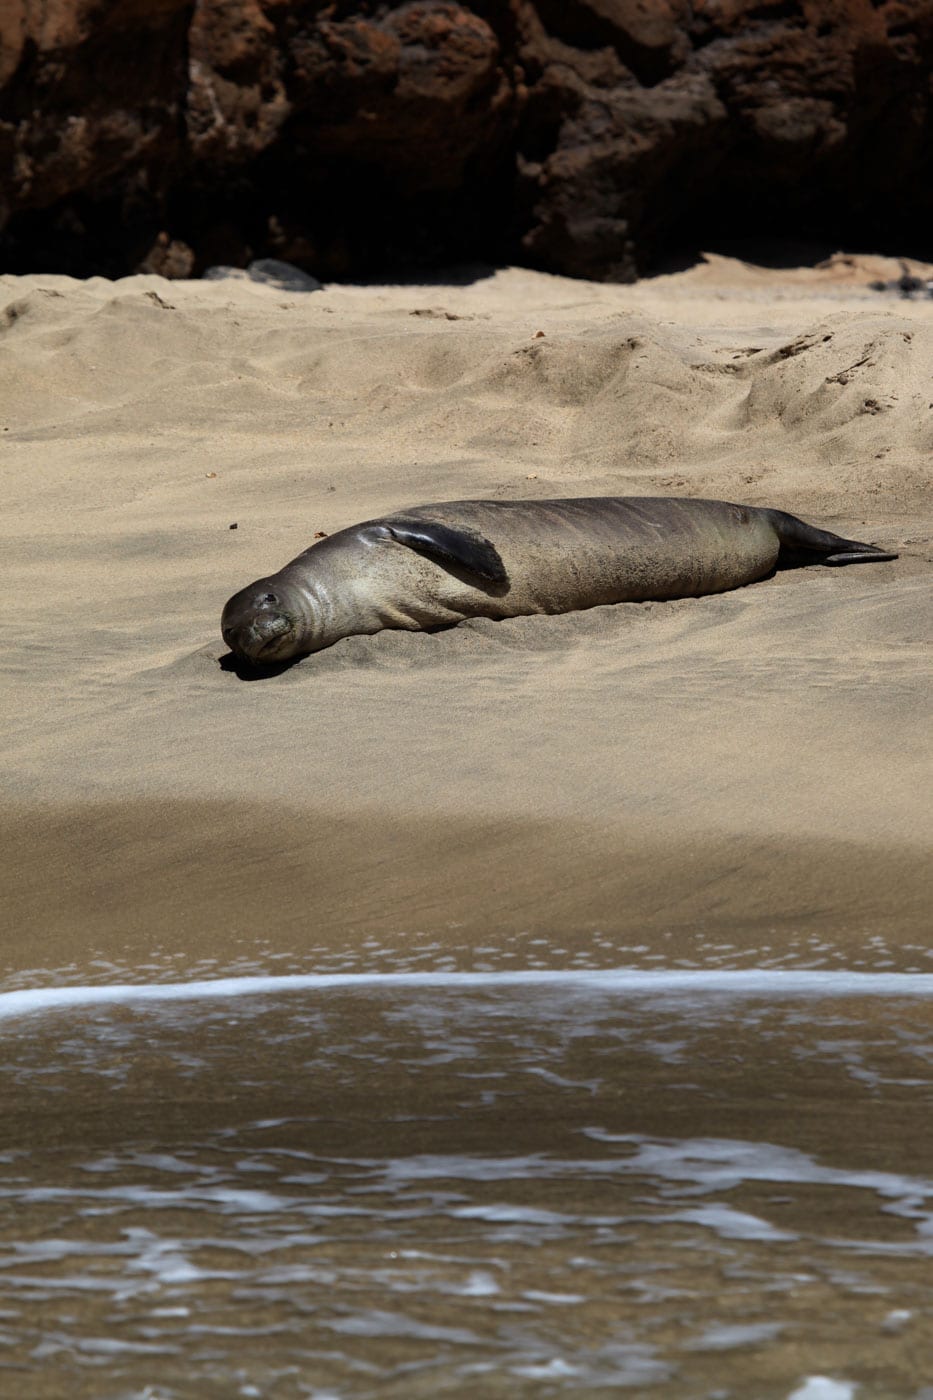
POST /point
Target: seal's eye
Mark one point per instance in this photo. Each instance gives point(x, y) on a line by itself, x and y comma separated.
point(270, 598)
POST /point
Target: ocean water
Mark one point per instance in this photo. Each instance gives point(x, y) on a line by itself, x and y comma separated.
point(694, 1183)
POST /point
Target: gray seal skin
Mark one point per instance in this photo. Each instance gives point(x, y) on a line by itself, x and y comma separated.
point(430, 566)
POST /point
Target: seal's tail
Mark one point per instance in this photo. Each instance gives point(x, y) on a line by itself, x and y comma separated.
point(805, 544)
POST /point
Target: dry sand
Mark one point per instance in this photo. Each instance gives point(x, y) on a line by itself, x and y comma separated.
point(748, 773)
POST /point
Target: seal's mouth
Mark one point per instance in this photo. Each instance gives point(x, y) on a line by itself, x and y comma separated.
point(274, 627)
point(259, 639)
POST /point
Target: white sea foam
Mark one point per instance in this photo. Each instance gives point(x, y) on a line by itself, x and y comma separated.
point(727, 1336)
point(766, 983)
point(730, 1224)
point(823, 1388)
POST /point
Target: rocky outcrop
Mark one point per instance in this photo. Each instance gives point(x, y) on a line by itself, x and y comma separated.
point(354, 137)
point(92, 128)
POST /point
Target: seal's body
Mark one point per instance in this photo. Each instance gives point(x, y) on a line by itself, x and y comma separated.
point(438, 564)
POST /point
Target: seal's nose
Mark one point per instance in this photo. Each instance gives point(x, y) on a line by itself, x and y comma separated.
point(269, 626)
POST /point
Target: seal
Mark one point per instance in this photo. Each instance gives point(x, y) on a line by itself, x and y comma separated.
point(434, 565)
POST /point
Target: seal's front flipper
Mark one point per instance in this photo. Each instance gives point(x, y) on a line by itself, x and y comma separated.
point(472, 552)
point(807, 544)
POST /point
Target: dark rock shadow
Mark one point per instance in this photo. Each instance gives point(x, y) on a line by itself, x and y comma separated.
point(456, 275)
point(775, 254)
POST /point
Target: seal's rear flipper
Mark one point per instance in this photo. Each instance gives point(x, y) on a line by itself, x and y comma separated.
point(472, 552)
point(806, 544)
point(865, 554)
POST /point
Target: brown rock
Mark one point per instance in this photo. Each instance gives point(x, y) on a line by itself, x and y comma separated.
point(90, 119)
point(168, 257)
point(236, 101)
point(418, 91)
point(585, 136)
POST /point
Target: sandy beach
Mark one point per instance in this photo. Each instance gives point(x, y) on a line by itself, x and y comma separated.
point(749, 771)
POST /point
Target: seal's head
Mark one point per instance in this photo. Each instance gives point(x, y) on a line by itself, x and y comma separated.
point(262, 624)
